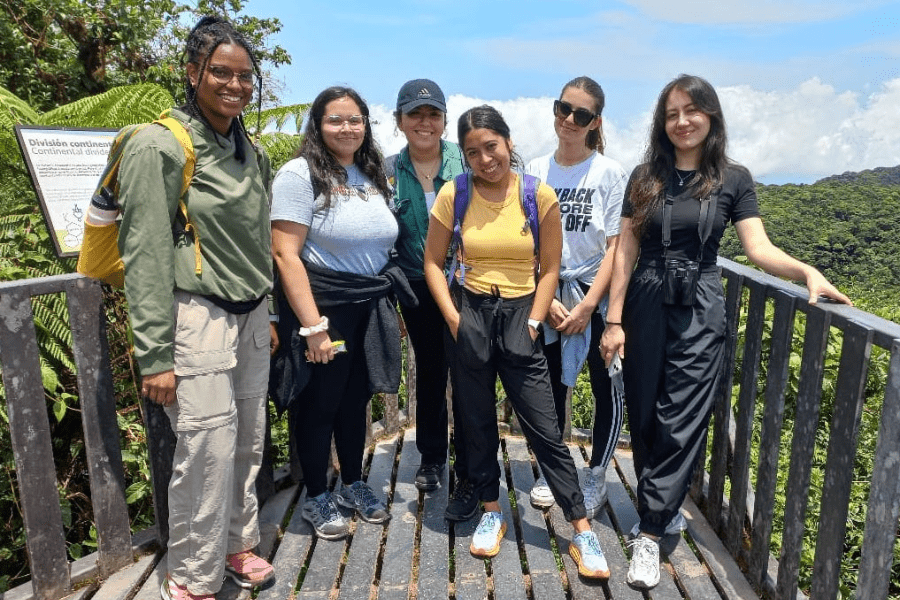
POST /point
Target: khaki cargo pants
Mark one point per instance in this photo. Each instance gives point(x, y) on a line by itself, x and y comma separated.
point(219, 417)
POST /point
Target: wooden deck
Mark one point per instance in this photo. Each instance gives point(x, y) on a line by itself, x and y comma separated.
point(419, 555)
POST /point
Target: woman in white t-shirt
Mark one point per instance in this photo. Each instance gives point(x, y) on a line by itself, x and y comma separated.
point(590, 188)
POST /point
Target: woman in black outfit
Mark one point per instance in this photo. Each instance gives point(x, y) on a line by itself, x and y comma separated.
point(671, 322)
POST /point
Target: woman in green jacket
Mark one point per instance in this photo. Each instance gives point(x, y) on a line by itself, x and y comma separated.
point(417, 173)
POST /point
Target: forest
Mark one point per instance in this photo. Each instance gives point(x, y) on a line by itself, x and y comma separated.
point(101, 64)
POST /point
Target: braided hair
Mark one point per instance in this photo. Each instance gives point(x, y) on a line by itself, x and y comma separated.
point(207, 35)
point(324, 169)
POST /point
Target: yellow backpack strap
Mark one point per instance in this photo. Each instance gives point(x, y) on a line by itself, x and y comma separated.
point(184, 138)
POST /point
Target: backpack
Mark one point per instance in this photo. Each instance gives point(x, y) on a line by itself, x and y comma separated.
point(528, 185)
point(99, 257)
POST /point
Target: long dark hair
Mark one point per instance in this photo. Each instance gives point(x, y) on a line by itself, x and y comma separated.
point(486, 117)
point(594, 139)
point(648, 191)
point(208, 34)
point(324, 169)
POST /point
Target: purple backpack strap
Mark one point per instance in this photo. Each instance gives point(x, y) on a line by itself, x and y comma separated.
point(463, 184)
point(528, 185)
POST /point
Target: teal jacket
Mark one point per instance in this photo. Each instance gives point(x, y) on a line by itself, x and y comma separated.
point(409, 203)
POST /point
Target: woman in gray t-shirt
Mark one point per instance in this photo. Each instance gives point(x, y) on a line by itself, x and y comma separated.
point(332, 232)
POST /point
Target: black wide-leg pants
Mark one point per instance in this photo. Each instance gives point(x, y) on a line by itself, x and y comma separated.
point(673, 357)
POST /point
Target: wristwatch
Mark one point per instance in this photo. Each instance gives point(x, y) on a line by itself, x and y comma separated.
point(534, 324)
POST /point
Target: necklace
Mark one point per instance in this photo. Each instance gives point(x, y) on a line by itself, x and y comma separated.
point(430, 173)
point(688, 175)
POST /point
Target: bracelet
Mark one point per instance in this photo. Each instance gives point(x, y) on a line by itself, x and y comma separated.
point(534, 324)
point(321, 327)
point(619, 323)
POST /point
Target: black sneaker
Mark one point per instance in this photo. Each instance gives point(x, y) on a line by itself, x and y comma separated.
point(428, 477)
point(463, 504)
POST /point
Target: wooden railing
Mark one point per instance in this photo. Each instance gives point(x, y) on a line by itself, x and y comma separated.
point(743, 519)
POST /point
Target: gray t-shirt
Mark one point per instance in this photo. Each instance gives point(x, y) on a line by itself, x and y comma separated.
point(354, 235)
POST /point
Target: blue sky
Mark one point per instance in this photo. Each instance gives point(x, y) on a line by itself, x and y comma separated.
point(809, 87)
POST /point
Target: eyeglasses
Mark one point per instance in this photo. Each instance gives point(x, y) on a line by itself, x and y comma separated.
point(224, 75)
point(354, 121)
point(581, 116)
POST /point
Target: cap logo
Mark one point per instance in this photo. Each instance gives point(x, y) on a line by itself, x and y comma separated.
point(424, 93)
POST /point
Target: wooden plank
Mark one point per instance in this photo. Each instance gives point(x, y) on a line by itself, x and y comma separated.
point(746, 416)
point(626, 516)
point(806, 420)
point(291, 555)
point(397, 558)
point(29, 433)
point(884, 494)
point(506, 569)
point(100, 424)
point(122, 585)
point(149, 590)
point(359, 573)
point(718, 470)
point(434, 545)
point(770, 436)
point(271, 517)
point(542, 568)
point(470, 582)
point(728, 576)
point(850, 395)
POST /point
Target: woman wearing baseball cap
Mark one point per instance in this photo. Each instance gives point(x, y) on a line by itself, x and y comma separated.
point(417, 172)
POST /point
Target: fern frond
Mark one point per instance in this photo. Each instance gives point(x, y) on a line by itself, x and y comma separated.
point(15, 111)
point(279, 116)
point(116, 108)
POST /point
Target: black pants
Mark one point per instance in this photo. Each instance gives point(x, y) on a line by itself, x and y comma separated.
point(673, 356)
point(334, 403)
point(427, 330)
point(493, 339)
point(608, 415)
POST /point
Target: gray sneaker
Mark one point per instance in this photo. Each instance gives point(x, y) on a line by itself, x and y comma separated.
point(594, 490)
point(359, 496)
point(325, 518)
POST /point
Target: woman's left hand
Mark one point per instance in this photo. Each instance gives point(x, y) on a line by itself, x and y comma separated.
point(577, 321)
point(818, 286)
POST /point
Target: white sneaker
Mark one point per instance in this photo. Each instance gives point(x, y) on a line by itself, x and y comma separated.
point(643, 572)
point(675, 526)
point(594, 490)
point(488, 535)
point(585, 551)
point(541, 496)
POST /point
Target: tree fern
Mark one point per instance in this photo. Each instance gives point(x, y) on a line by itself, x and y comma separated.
point(114, 109)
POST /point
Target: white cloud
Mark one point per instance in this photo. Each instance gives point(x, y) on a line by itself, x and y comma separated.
point(798, 135)
point(750, 11)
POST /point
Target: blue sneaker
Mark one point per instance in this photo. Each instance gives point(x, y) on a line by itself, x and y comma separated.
point(585, 551)
point(488, 535)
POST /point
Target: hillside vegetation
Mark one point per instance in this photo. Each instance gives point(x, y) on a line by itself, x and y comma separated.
point(847, 225)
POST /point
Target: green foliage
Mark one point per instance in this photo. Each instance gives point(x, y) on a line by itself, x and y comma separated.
point(846, 228)
point(53, 52)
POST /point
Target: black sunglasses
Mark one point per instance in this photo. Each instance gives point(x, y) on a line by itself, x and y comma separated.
point(581, 116)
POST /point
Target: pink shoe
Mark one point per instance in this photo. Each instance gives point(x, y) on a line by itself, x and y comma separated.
point(169, 590)
point(248, 570)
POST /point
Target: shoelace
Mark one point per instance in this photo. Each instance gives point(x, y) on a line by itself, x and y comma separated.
point(364, 496)
point(590, 542)
point(462, 491)
point(487, 524)
point(323, 505)
point(641, 552)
